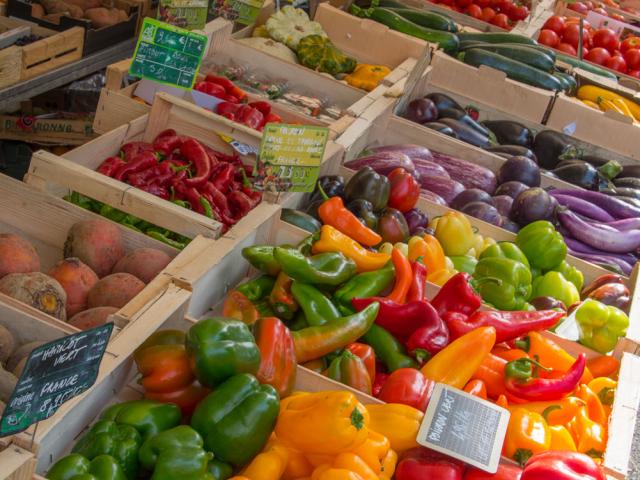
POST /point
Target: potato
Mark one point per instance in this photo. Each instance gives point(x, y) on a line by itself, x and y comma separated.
point(7, 344)
point(7, 384)
point(102, 17)
point(17, 255)
point(92, 318)
point(144, 263)
point(85, 4)
point(97, 243)
point(37, 290)
point(75, 11)
point(22, 352)
point(37, 10)
point(77, 279)
point(20, 367)
point(114, 290)
point(54, 18)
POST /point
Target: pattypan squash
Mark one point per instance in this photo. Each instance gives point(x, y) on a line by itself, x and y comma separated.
point(317, 52)
point(367, 77)
point(290, 25)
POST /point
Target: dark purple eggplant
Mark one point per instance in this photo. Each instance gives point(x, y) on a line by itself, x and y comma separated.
point(510, 225)
point(579, 173)
point(503, 203)
point(442, 128)
point(471, 195)
point(467, 173)
point(532, 205)
point(614, 206)
point(520, 169)
point(466, 133)
point(547, 303)
point(630, 171)
point(629, 182)
point(594, 160)
point(383, 162)
point(422, 110)
point(447, 188)
point(513, 189)
point(483, 211)
point(464, 118)
point(513, 151)
point(578, 246)
point(605, 240)
point(549, 145)
point(416, 219)
point(583, 207)
point(510, 133)
point(443, 101)
point(426, 167)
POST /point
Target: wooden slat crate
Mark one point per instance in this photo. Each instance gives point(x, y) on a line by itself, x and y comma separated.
point(46, 131)
point(17, 463)
point(18, 64)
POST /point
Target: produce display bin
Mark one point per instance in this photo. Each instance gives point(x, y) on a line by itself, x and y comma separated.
point(17, 463)
point(18, 64)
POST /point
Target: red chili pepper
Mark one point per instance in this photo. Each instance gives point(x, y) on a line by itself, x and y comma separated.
point(141, 162)
point(192, 196)
point(457, 295)
point(150, 174)
point(239, 204)
point(421, 463)
point(539, 389)
point(508, 325)
point(194, 153)
point(224, 177)
point(409, 387)
point(222, 81)
point(247, 188)
point(223, 157)
point(219, 203)
point(110, 166)
point(133, 149)
point(210, 88)
point(228, 110)
point(249, 116)
point(157, 190)
point(505, 472)
point(428, 340)
point(273, 118)
point(166, 143)
point(417, 289)
point(405, 190)
point(178, 179)
point(378, 383)
point(365, 353)
point(227, 97)
point(562, 466)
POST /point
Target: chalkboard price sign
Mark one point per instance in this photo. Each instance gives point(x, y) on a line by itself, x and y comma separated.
point(464, 427)
point(167, 54)
point(54, 373)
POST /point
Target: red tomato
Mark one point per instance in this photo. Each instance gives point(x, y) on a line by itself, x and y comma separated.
point(601, 11)
point(598, 55)
point(463, 3)
point(518, 13)
point(549, 38)
point(495, 4)
point(630, 43)
point(634, 73)
point(579, 7)
point(632, 57)
point(474, 11)
point(617, 16)
point(572, 33)
point(589, 4)
point(482, 3)
point(555, 23)
point(505, 6)
point(616, 63)
point(606, 38)
point(488, 13)
point(566, 48)
point(456, 8)
point(501, 20)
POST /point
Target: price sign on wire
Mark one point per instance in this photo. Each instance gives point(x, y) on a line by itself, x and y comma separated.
point(464, 427)
point(189, 14)
point(244, 12)
point(290, 157)
point(54, 373)
point(167, 54)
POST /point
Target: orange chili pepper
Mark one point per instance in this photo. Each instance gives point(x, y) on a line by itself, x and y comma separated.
point(551, 355)
point(491, 372)
point(333, 212)
point(512, 354)
point(502, 401)
point(603, 366)
point(477, 388)
point(595, 409)
point(429, 250)
point(403, 277)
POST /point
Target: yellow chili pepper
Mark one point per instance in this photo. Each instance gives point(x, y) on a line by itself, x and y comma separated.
point(268, 465)
point(595, 409)
point(591, 92)
point(558, 412)
point(374, 450)
point(367, 77)
point(324, 423)
point(527, 434)
point(397, 422)
point(561, 439)
point(429, 250)
point(455, 234)
point(591, 104)
point(592, 436)
point(325, 472)
point(352, 462)
point(331, 240)
point(389, 463)
point(456, 363)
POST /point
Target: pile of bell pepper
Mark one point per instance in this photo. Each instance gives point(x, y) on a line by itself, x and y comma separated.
point(222, 88)
point(186, 172)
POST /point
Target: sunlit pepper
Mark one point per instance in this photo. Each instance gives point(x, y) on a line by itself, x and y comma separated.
point(561, 439)
point(325, 472)
point(605, 388)
point(270, 464)
point(552, 355)
point(399, 423)
point(603, 366)
point(477, 388)
point(455, 234)
point(555, 412)
point(404, 274)
point(527, 434)
point(353, 463)
point(595, 409)
point(592, 436)
point(331, 240)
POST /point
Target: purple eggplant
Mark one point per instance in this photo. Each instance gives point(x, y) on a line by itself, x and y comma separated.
point(605, 240)
point(383, 162)
point(532, 205)
point(426, 168)
point(510, 133)
point(580, 247)
point(582, 207)
point(471, 195)
point(467, 134)
point(442, 128)
point(512, 189)
point(520, 169)
point(422, 110)
point(443, 101)
point(432, 197)
point(626, 224)
point(463, 117)
point(483, 211)
point(447, 188)
point(503, 203)
point(604, 260)
point(416, 220)
point(509, 151)
point(410, 150)
point(467, 173)
point(614, 207)
point(510, 225)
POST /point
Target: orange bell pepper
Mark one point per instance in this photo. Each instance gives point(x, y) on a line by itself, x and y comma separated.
point(551, 355)
point(458, 361)
point(595, 409)
point(561, 439)
point(270, 464)
point(556, 412)
point(429, 251)
point(476, 387)
point(605, 389)
point(404, 274)
point(527, 434)
point(298, 466)
point(592, 436)
point(603, 366)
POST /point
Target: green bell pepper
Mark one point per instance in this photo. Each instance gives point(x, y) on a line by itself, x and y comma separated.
point(571, 273)
point(220, 348)
point(258, 288)
point(237, 418)
point(363, 285)
point(261, 257)
point(553, 284)
point(220, 470)
point(176, 454)
point(600, 325)
point(148, 417)
point(464, 263)
point(505, 250)
point(369, 185)
point(121, 442)
point(389, 350)
point(503, 282)
point(317, 308)
point(331, 268)
point(77, 467)
point(542, 244)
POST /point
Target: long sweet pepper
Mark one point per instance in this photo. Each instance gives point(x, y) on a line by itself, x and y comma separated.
point(428, 251)
point(348, 369)
point(409, 387)
point(562, 466)
point(317, 307)
point(552, 355)
point(561, 439)
point(591, 436)
point(331, 240)
point(262, 257)
point(555, 412)
point(328, 268)
point(277, 355)
point(388, 349)
point(417, 289)
point(363, 285)
point(527, 434)
point(404, 276)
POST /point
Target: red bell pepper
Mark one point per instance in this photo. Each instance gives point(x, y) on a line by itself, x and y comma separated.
point(262, 106)
point(273, 118)
point(408, 386)
point(139, 163)
point(249, 116)
point(365, 353)
point(210, 88)
point(417, 289)
point(193, 152)
point(505, 472)
point(457, 295)
point(378, 383)
point(110, 166)
point(508, 325)
point(562, 466)
point(421, 463)
point(277, 355)
point(428, 340)
point(405, 190)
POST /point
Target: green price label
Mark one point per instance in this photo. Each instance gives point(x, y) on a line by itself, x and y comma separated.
point(244, 12)
point(167, 54)
point(290, 157)
point(189, 14)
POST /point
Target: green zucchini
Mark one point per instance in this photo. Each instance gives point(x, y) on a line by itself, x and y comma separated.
point(427, 19)
point(388, 4)
point(538, 48)
point(446, 40)
point(300, 219)
point(522, 54)
point(569, 82)
point(589, 67)
point(496, 37)
point(515, 70)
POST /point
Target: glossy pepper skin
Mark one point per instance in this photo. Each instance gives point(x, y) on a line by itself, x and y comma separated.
point(505, 250)
point(454, 233)
point(409, 387)
point(258, 288)
point(262, 257)
point(513, 285)
point(220, 348)
point(527, 434)
point(365, 353)
point(334, 242)
point(591, 436)
point(422, 463)
point(388, 350)
point(77, 467)
point(553, 284)
point(418, 287)
point(363, 285)
point(505, 472)
point(399, 423)
point(333, 212)
point(106, 437)
point(555, 412)
point(348, 369)
point(457, 295)
point(176, 453)
point(392, 226)
point(363, 210)
point(148, 417)
point(405, 190)
point(428, 251)
point(366, 184)
point(328, 268)
point(317, 308)
point(571, 273)
point(237, 418)
point(277, 355)
point(281, 299)
point(600, 325)
point(609, 289)
point(314, 342)
point(552, 355)
point(561, 466)
point(542, 244)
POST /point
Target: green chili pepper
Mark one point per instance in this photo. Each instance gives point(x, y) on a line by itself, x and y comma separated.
point(389, 350)
point(323, 269)
point(182, 203)
point(112, 213)
point(262, 257)
point(172, 243)
point(208, 211)
point(258, 288)
point(363, 285)
point(318, 309)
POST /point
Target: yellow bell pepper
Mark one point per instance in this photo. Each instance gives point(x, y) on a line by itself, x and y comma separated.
point(397, 422)
point(325, 472)
point(561, 439)
point(456, 363)
point(324, 423)
point(591, 104)
point(352, 462)
point(374, 450)
point(332, 240)
point(555, 412)
point(592, 436)
point(297, 467)
point(455, 234)
point(389, 463)
point(367, 77)
point(527, 434)
point(429, 251)
point(591, 92)
point(268, 465)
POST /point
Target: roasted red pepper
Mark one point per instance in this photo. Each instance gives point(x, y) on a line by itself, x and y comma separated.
point(365, 353)
point(139, 163)
point(405, 190)
point(417, 289)
point(277, 355)
point(457, 295)
point(562, 466)
point(508, 325)
point(408, 386)
point(421, 463)
point(193, 151)
point(111, 165)
point(505, 472)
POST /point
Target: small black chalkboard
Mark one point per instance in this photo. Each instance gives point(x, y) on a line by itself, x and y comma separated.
point(465, 427)
point(54, 373)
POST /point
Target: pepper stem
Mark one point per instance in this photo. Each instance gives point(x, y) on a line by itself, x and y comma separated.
point(522, 368)
point(325, 197)
point(357, 419)
point(548, 410)
point(522, 455)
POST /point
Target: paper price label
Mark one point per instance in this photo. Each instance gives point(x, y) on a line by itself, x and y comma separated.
point(464, 427)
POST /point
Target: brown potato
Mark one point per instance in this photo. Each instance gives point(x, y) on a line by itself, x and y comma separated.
point(37, 10)
point(54, 18)
point(144, 263)
point(114, 290)
point(37, 290)
point(92, 318)
point(22, 352)
point(17, 255)
point(7, 344)
point(97, 243)
point(20, 367)
point(77, 279)
point(102, 17)
point(7, 384)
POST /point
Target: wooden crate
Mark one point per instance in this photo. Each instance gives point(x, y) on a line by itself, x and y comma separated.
point(46, 131)
point(17, 463)
point(18, 64)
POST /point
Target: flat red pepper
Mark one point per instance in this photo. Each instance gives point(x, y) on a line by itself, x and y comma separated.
point(141, 162)
point(150, 174)
point(193, 151)
point(239, 203)
point(133, 149)
point(110, 166)
point(562, 466)
point(249, 116)
point(157, 190)
point(457, 295)
point(262, 106)
point(223, 177)
point(409, 387)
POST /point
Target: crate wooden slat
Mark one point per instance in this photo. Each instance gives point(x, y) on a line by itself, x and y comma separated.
point(17, 463)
